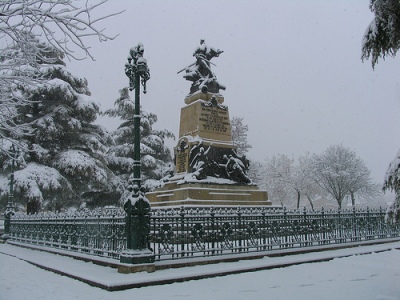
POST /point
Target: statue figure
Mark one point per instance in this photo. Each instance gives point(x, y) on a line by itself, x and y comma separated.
point(199, 164)
point(203, 55)
point(236, 169)
point(200, 72)
point(246, 163)
point(208, 161)
point(214, 103)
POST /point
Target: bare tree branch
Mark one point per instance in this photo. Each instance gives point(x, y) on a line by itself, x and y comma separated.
point(30, 32)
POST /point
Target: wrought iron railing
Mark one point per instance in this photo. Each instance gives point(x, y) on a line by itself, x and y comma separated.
point(208, 232)
point(97, 232)
point(184, 233)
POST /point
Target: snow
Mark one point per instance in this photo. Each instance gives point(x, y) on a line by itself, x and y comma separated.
point(85, 102)
point(35, 178)
point(189, 178)
point(152, 140)
point(149, 161)
point(393, 173)
point(75, 162)
point(370, 276)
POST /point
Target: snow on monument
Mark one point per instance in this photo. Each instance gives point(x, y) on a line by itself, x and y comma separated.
point(208, 171)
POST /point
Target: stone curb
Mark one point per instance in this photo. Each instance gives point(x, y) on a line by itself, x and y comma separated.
point(163, 265)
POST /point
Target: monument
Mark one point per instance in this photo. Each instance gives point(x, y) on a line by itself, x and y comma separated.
point(208, 171)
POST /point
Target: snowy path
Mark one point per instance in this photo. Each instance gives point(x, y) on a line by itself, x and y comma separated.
point(370, 276)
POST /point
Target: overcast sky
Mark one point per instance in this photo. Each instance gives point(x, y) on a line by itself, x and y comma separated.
point(292, 70)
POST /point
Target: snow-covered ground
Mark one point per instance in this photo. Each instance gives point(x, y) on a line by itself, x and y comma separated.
point(369, 276)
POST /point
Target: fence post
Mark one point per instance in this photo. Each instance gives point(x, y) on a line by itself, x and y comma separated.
point(213, 234)
point(308, 224)
point(264, 228)
point(354, 224)
point(182, 215)
point(324, 241)
point(339, 226)
point(239, 213)
point(286, 227)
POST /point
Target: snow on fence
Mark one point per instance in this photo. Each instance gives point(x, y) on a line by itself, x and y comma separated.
point(98, 232)
point(184, 233)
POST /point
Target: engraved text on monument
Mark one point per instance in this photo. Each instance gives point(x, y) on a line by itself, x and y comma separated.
point(214, 119)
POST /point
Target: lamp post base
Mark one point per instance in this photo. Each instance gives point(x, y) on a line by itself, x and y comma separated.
point(4, 238)
point(137, 261)
point(141, 256)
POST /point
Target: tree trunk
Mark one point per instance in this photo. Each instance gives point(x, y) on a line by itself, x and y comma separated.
point(32, 207)
point(309, 200)
point(298, 199)
point(339, 202)
point(353, 199)
point(58, 207)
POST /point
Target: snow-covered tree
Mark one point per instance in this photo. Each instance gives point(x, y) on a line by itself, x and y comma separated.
point(290, 179)
point(63, 26)
point(340, 172)
point(155, 156)
point(382, 37)
point(239, 135)
point(14, 74)
point(257, 173)
point(64, 153)
point(305, 181)
point(278, 178)
point(392, 183)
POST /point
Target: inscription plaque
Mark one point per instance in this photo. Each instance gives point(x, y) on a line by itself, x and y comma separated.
point(214, 119)
point(181, 156)
point(181, 162)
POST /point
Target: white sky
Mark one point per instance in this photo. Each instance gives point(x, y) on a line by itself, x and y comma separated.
point(292, 70)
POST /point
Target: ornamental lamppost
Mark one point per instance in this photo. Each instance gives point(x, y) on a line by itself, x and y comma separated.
point(137, 69)
point(137, 206)
point(10, 204)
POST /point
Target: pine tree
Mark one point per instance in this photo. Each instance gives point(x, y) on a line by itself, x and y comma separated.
point(155, 156)
point(64, 24)
point(392, 183)
point(382, 36)
point(64, 154)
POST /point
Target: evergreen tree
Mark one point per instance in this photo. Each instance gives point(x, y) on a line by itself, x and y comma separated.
point(392, 183)
point(382, 36)
point(64, 24)
point(64, 154)
point(155, 156)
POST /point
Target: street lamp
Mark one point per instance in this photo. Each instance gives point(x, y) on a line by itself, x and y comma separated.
point(137, 206)
point(10, 208)
point(137, 69)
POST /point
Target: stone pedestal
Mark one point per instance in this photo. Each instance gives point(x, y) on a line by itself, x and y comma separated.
point(208, 170)
point(208, 119)
point(207, 194)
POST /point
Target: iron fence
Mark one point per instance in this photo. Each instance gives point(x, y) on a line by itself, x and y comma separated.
point(198, 232)
point(98, 232)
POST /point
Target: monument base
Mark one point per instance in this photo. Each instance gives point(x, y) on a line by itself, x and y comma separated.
point(201, 194)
